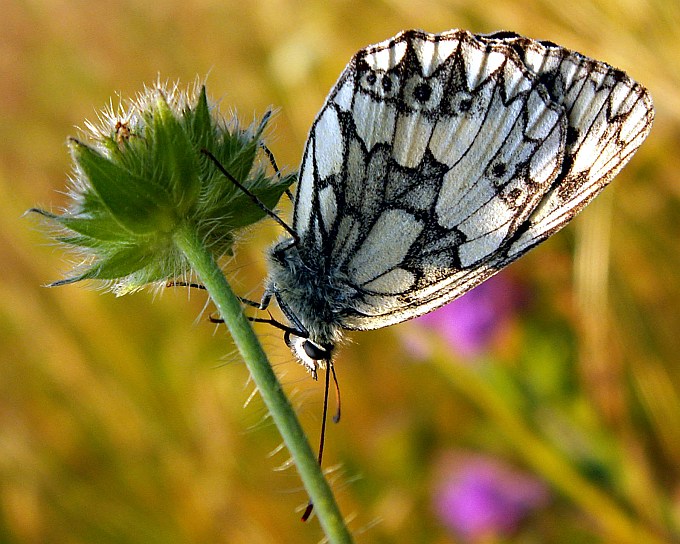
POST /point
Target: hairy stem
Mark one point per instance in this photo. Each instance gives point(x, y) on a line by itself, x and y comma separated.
point(268, 385)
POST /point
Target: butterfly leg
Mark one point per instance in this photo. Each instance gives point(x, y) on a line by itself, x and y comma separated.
point(272, 161)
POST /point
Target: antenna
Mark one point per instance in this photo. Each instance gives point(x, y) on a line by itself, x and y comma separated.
point(253, 197)
point(329, 369)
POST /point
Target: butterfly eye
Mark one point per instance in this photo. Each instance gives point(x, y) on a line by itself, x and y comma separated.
point(315, 351)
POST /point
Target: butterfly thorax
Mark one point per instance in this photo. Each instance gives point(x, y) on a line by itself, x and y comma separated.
point(310, 295)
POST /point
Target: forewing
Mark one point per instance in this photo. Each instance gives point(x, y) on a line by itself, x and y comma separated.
point(438, 159)
point(609, 117)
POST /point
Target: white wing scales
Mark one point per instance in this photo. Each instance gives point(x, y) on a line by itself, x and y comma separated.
point(391, 245)
point(432, 54)
point(378, 120)
point(609, 117)
point(438, 159)
point(412, 134)
point(329, 132)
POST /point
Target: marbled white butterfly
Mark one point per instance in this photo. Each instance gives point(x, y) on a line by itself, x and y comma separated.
point(436, 160)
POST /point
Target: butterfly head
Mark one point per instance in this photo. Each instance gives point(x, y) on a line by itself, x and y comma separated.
point(311, 355)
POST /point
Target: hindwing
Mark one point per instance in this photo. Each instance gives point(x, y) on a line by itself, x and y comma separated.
point(436, 160)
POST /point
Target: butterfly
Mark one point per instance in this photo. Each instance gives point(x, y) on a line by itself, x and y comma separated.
point(435, 161)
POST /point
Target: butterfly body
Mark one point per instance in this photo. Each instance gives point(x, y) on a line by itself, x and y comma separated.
point(436, 160)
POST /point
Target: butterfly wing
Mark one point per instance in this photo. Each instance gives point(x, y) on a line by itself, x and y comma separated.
point(438, 159)
point(609, 115)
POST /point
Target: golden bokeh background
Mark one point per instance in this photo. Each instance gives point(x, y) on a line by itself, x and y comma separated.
point(122, 420)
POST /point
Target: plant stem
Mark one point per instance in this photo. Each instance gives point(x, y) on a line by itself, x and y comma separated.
point(551, 465)
point(268, 385)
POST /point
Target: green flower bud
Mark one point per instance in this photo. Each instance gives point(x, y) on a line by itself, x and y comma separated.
point(142, 174)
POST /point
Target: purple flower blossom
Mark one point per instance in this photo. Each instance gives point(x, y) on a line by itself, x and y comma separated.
point(470, 323)
point(481, 497)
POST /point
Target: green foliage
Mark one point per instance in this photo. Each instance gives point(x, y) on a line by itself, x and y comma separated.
point(145, 175)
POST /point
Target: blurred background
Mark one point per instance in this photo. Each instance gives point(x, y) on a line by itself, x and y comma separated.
point(542, 407)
